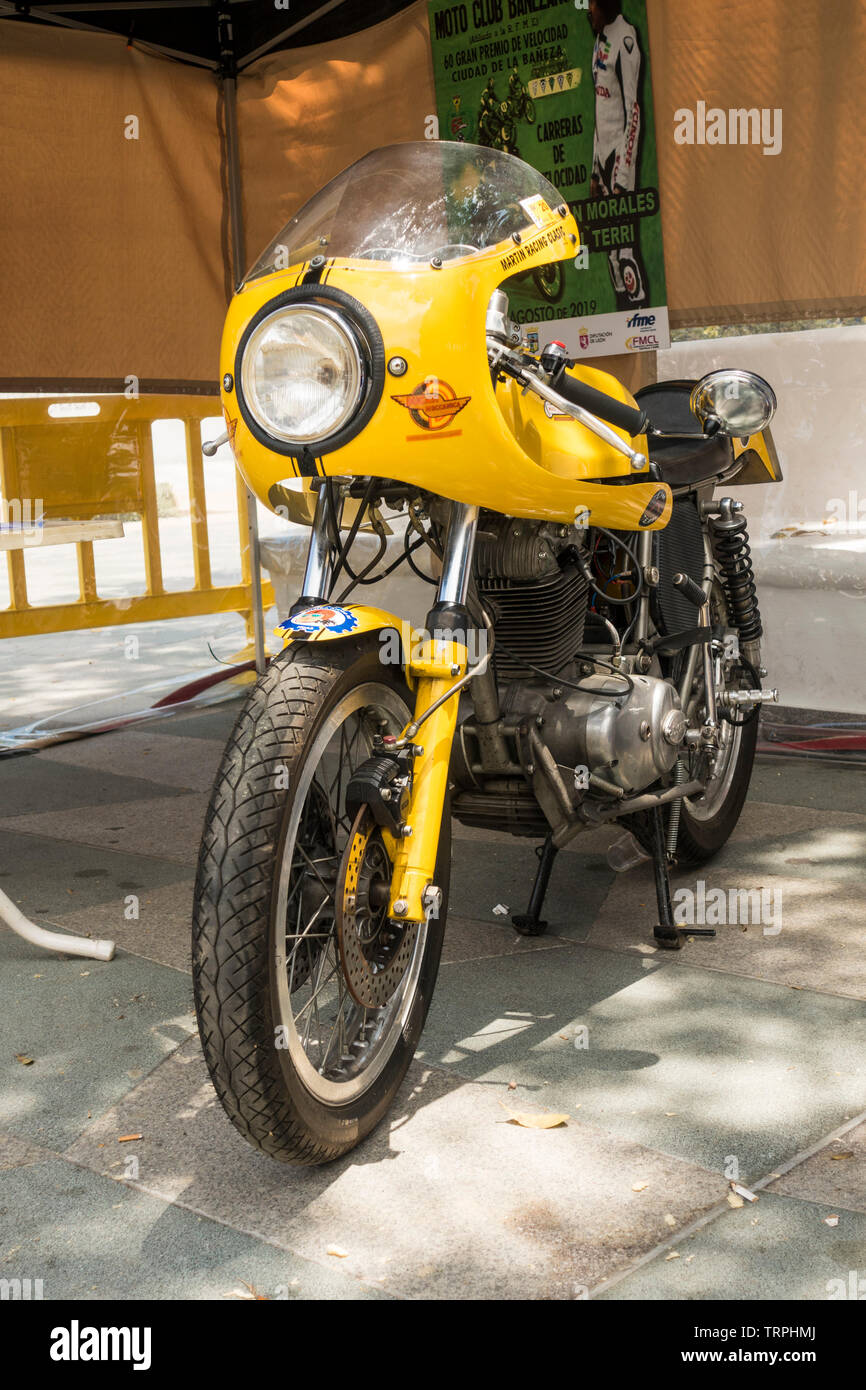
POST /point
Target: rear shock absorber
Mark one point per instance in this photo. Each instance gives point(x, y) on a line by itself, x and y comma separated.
point(730, 539)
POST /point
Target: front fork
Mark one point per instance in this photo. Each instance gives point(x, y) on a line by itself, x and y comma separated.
point(435, 665)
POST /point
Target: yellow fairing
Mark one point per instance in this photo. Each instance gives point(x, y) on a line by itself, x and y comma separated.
point(761, 462)
point(482, 446)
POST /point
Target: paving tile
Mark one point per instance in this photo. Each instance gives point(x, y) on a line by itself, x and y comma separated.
point(818, 944)
point(168, 827)
point(161, 931)
point(795, 781)
point(215, 723)
point(17, 1153)
point(32, 783)
point(796, 841)
point(94, 1030)
point(486, 873)
point(776, 1248)
point(468, 940)
point(46, 876)
point(676, 1059)
point(447, 1199)
point(836, 1174)
point(179, 761)
point(88, 1238)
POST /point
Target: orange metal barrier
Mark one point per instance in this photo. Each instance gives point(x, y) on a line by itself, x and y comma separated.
point(82, 468)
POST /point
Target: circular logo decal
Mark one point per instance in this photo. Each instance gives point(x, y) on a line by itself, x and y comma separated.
point(324, 617)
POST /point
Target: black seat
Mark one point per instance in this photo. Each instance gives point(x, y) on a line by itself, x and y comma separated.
point(682, 462)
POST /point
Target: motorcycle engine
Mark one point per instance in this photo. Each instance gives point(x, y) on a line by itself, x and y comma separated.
point(625, 729)
point(534, 592)
point(627, 736)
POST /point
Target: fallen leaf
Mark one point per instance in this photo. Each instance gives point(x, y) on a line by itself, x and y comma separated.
point(126, 1138)
point(670, 1220)
point(542, 1120)
point(23, 1059)
point(670, 1114)
point(639, 1186)
point(674, 1255)
point(734, 1200)
point(254, 1293)
point(849, 1153)
point(338, 1252)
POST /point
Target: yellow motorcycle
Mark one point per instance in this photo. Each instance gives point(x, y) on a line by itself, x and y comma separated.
point(592, 653)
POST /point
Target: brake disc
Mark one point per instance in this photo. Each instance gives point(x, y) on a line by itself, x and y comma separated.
point(374, 951)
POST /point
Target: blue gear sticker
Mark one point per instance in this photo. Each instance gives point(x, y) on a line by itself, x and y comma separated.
point(322, 617)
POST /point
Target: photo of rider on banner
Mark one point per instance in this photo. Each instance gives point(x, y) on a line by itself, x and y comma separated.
point(616, 68)
point(568, 89)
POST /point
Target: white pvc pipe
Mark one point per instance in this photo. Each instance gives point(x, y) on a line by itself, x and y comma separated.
point(52, 940)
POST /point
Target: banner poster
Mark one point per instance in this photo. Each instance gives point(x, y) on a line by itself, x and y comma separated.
point(566, 86)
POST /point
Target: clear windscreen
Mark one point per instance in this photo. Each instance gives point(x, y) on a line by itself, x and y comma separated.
point(407, 203)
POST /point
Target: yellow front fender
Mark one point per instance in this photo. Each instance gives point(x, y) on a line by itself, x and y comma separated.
point(325, 622)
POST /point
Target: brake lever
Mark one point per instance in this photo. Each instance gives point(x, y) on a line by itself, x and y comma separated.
point(515, 367)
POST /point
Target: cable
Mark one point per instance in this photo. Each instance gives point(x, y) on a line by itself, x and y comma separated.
point(575, 685)
point(407, 555)
point(587, 572)
point(342, 549)
point(376, 523)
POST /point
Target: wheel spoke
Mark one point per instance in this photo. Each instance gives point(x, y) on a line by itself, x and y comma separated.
point(329, 1031)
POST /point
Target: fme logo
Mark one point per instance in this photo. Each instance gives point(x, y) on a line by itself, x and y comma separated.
point(641, 321)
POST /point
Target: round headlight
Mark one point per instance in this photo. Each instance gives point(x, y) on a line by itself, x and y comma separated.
point(742, 402)
point(302, 374)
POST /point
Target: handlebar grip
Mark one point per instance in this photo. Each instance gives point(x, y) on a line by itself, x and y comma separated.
point(617, 413)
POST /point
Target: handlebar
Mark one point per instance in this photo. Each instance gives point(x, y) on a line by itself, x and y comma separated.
point(581, 402)
point(624, 417)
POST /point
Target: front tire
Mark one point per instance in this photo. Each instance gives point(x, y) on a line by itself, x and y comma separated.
point(302, 1070)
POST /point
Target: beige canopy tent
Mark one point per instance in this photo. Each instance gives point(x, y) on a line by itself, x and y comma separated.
point(145, 147)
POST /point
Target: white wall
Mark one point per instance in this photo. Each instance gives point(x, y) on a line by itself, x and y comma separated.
point(812, 587)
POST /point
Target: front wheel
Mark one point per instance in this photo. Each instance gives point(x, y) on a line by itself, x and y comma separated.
point(304, 1069)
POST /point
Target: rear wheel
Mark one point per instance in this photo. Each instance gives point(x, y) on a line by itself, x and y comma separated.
point(707, 821)
point(308, 1019)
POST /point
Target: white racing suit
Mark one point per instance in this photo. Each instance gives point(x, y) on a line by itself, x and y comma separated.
point(616, 63)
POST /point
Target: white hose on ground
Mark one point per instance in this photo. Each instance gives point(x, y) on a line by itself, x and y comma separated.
point(52, 940)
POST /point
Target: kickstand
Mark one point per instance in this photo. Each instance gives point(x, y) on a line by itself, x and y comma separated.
point(529, 923)
point(668, 936)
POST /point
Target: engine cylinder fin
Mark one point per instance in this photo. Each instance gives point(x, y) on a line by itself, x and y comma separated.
point(540, 621)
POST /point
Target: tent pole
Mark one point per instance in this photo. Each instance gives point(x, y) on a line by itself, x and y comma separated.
point(239, 261)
